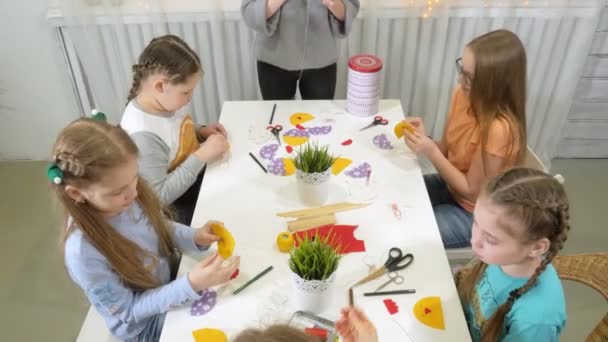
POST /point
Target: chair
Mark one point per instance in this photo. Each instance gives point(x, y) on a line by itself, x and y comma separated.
point(532, 161)
point(591, 270)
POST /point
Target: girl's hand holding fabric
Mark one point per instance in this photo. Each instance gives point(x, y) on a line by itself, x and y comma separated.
point(419, 143)
point(216, 128)
point(212, 148)
point(205, 236)
point(418, 124)
point(209, 272)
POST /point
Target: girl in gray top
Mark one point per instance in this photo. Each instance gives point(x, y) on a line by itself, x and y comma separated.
point(296, 40)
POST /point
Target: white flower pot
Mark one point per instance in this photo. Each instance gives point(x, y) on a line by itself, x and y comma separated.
point(312, 295)
point(313, 188)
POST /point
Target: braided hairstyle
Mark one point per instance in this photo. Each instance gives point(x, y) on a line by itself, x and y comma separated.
point(539, 203)
point(168, 54)
point(84, 151)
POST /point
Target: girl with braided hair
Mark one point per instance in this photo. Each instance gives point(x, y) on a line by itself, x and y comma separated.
point(511, 292)
point(173, 151)
point(119, 247)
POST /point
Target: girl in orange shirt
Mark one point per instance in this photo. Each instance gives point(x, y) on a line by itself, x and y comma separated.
point(485, 131)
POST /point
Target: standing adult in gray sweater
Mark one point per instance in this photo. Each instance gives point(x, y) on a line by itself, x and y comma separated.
point(296, 40)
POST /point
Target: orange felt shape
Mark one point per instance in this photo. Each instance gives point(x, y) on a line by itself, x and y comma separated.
point(225, 245)
point(429, 312)
point(401, 126)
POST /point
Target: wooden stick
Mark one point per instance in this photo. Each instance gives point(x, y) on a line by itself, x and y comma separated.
point(324, 210)
point(310, 222)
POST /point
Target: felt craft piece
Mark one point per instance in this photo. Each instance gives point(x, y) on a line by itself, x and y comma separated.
point(204, 304)
point(429, 312)
point(235, 274)
point(381, 141)
point(391, 306)
point(360, 171)
point(281, 167)
point(320, 130)
point(300, 118)
point(225, 245)
point(347, 142)
point(401, 126)
point(209, 335)
point(289, 149)
point(295, 137)
point(342, 237)
point(300, 127)
point(268, 151)
point(339, 165)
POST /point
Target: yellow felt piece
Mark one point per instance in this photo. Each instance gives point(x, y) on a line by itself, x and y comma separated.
point(290, 168)
point(403, 125)
point(285, 242)
point(225, 246)
point(339, 165)
point(209, 335)
point(294, 141)
point(300, 118)
point(429, 312)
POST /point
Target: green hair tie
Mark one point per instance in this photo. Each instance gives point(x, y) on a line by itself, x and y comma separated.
point(54, 173)
point(97, 115)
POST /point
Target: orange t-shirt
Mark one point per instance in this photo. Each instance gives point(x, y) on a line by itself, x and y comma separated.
point(462, 139)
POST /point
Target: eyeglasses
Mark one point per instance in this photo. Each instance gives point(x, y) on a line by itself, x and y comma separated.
point(466, 77)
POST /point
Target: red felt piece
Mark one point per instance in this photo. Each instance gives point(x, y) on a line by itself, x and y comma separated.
point(391, 306)
point(235, 274)
point(300, 127)
point(317, 332)
point(289, 149)
point(347, 142)
point(343, 236)
point(427, 311)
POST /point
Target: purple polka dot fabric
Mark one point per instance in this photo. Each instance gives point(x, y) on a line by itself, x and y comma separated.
point(204, 304)
point(277, 167)
point(359, 171)
point(296, 133)
point(268, 151)
point(320, 130)
point(381, 141)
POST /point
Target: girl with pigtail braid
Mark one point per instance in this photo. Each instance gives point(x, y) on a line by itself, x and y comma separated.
point(511, 292)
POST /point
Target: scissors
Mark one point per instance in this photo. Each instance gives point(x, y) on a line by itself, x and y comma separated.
point(275, 130)
point(378, 120)
point(396, 261)
point(394, 277)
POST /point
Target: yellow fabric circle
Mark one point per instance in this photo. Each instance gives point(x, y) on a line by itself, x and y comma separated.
point(403, 125)
point(225, 245)
point(429, 312)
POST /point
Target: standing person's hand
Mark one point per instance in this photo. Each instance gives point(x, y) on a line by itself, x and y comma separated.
point(354, 326)
point(336, 7)
point(272, 6)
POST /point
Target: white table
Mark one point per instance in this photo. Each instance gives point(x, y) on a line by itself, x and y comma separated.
point(237, 192)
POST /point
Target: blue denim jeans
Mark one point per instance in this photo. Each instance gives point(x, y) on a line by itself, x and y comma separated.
point(454, 221)
point(151, 332)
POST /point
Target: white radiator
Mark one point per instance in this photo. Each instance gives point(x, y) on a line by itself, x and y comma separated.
point(419, 57)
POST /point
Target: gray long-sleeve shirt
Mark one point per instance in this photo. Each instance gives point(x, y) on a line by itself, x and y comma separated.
point(285, 40)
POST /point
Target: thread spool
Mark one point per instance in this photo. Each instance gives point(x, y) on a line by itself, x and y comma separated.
point(285, 242)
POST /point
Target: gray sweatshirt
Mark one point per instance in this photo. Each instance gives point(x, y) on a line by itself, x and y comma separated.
point(280, 40)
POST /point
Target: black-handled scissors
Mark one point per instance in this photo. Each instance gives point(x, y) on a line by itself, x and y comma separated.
point(275, 130)
point(397, 261)
point(378, 120)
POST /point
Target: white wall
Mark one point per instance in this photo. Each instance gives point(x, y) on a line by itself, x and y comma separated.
point(36, 98)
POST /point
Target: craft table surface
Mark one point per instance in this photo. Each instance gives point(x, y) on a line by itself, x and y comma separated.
point(236, 191)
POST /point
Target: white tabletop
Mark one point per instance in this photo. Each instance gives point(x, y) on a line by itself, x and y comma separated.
point(237, 192)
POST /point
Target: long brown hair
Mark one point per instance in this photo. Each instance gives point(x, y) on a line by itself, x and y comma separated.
point(276, 333)
point(539, 203)
point(168, 54)
point(498, 89)
point(84, 151)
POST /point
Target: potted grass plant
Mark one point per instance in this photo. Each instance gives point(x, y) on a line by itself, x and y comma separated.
point(313, 170)
point(313, 264)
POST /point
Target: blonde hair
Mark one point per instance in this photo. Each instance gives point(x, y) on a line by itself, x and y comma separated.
point(536, 201)
point(84, 151)
point(276, 333)
point(168, 54)
point(498, 89)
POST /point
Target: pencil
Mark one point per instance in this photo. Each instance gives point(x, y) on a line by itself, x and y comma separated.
point(260, 275)
point(258, 162)
point(272, 115)
point(385, 293)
